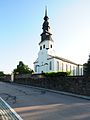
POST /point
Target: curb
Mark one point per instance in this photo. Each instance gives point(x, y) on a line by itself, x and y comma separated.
point(59, 92)
point(64, 93)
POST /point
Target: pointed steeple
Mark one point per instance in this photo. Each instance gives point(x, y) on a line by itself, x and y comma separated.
point(46, 17)
point(46, 23)
point(45, 10)
point(46, 35)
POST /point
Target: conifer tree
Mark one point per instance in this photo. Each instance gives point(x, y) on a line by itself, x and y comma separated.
point(86, 67)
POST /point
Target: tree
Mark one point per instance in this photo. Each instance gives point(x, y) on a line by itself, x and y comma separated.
point(1, 73)
point(86, 67)
point(22, 69)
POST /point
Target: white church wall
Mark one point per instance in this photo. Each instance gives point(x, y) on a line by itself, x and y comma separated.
point(43, 65)
point(63, 66)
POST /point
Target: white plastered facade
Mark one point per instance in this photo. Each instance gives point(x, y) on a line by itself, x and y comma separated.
point(47, 61)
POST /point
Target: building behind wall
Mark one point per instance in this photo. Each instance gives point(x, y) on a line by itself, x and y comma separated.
point(47, 60)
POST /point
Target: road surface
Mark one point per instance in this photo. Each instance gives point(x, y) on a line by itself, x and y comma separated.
point(35, 104)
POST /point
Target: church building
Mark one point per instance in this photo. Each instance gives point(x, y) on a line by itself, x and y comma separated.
point(47, 60)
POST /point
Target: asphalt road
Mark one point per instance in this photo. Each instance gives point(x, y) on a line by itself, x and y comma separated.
point(34, 104)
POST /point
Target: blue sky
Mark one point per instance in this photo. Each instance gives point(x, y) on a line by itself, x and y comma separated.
point(21, 26)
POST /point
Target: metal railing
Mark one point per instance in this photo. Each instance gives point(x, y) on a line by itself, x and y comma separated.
point(7, 113)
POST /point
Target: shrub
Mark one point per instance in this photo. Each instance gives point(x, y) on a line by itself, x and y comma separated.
point(55, 74)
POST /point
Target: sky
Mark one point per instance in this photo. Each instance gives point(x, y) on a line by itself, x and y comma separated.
point(21, 25)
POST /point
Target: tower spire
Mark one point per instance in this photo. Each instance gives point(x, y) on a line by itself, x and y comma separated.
point(45, 10)
point(46, 17)
point(46, 35)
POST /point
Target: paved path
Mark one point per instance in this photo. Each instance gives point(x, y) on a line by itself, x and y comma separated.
point(34, 104)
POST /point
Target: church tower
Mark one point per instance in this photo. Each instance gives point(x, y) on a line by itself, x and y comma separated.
point(46, 47)
point(46, 42)
point(47, 60)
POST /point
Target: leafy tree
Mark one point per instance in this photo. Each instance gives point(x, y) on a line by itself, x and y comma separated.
point(22, 69)
point(1, 73)
point(86, 67)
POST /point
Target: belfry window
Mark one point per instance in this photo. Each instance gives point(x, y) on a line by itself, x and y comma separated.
point(50, 46)
point(43, 46)
point(40, 47)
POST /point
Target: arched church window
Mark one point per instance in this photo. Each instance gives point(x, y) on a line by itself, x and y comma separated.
point(50, 66)
point(57, 66)
point(62, 67)
point(36, 68)
point(66, 67)
point(81, 71)
point(73, 70)
point(70, 68)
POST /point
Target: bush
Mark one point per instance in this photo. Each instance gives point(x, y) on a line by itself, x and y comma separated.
point(55, 74)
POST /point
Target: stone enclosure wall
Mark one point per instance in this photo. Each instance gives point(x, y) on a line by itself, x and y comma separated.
point(73, 84)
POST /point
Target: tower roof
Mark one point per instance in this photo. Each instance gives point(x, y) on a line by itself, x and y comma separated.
point(46, 35)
